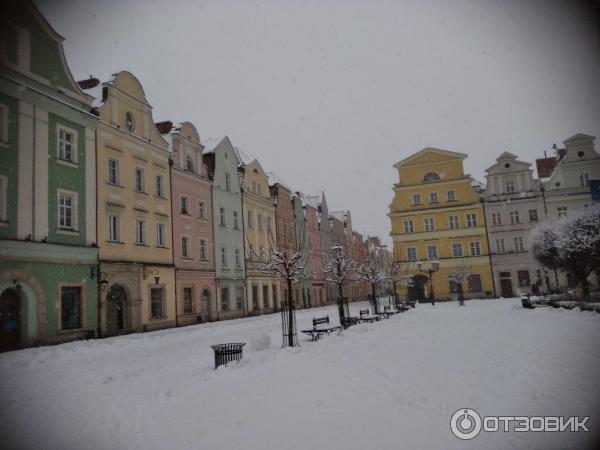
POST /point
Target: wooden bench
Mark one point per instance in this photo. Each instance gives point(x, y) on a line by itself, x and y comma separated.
point(316, 332)
point(366, 317)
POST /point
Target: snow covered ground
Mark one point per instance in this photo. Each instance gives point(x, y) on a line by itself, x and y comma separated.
point(389, 385)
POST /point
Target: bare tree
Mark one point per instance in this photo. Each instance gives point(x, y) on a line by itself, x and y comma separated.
point(287, 265)
point(373, 273)
point(460, 272)
point(340, 269)
point(399, 274)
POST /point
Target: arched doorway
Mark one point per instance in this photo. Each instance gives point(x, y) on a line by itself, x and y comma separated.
point(116, 310)
point(10, 320)
point(416, 290)
point(205, 305)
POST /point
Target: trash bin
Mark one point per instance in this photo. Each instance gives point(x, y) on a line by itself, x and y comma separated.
point(225, 353)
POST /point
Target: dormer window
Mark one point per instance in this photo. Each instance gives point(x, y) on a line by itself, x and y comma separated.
point(430, 176)
point(189, 164)
point(509, 187)
point(129, 122)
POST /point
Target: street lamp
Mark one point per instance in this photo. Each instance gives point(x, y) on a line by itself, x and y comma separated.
point(434, 267)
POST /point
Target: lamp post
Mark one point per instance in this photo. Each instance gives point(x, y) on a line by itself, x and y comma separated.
point(434, 267)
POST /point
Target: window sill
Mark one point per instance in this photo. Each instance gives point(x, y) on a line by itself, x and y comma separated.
point(141, 245)
point(158, 318)
point(162, 197)
point(140, 192)
point(67, 163)
point(72, 330)
point(451, 201)
point(162, 247)
point(67, 232)
point(185, 215)
point(115, 185)
point(115, 242)
point(187, 258)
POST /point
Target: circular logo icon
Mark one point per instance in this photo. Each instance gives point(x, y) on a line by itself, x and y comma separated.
point(465, 423)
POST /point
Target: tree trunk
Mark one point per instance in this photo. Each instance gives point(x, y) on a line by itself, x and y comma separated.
point(290, 315)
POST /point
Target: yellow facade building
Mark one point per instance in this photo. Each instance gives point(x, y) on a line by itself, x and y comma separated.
point(263, 290)
point(134, 213)
point(437, 216)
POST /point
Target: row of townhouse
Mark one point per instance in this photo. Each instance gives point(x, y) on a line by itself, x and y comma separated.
point(444, 220)
point(111, 223)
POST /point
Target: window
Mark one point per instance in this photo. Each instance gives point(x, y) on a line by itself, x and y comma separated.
point(254, 186)
point(235, 221)
point(250, 219)
point(189, 163)
point(157, 297)
point(223, 256)
point(416, 199)
point(129, 122)
point(66, 145)
point(113, 228)
point(453, 222)
point(269, 224)
point(533, 215)
point(475, 283)
point(429, 224)
point(409, 226)
point(188, 300)
point(239, 298)
point(523, 277)
point(227, 182)
point(70, 307)
point(431, 252)
point(451, 195)
point(140, 232)
point(431, 176)
point(433, 197)
point(584, 179)
point(184, 207)
point(260, 222)
point(224, 299)
point(185, 246)
point(265, 295)
point(500, 247)
point(159, 186)
point(411, 253)
point(66, 210)
point(160, 234)
point(514, 217)
point(519, 246)
point(3, 123)
point(509, 187)
point(238, 259)
point(222, 217)
point(113, 171)
point(200, 209)
point(202, 252)
point(496, 218)
point(3, 199)
point(259, 189)
point(261, 253)
point(562, 211)
point(457, 250)
point(471, 220)
point(475, 248)
point(139, 179)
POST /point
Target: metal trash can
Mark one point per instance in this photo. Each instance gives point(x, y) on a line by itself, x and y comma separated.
point(526, 301)
point(225, 353)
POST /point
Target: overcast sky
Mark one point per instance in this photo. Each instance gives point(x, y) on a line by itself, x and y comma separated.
point(329, 95)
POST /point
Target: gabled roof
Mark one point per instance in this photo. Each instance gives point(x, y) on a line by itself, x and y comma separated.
point(448, 153)
point(579, 137)
point(275, 179)
point(310, 200)
point(506, 155)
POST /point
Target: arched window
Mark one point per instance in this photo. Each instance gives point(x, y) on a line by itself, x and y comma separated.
point(431, 176)
point(189, 164)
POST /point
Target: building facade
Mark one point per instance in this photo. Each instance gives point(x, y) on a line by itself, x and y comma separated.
point(315, 268)
point(514, 205)
point(223, 166)
point(192, 212)
point(263, 290)
point(137, 276)
point(325, 237)
point(437, 216)
point(48, 254)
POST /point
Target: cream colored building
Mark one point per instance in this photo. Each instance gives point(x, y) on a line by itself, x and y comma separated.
point(137, 277)
point(260, 237)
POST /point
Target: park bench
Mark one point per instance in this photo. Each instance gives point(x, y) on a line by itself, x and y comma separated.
point(531, 303)
point(389, 311)
point(366, 317)
point(317, 331)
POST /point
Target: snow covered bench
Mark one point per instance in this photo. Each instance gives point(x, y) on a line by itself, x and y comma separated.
point(388, 310)
point(317, 331)
point(366, 317)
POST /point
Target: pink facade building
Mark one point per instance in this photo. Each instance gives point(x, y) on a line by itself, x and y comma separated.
point(193, 243)
point(315, 274)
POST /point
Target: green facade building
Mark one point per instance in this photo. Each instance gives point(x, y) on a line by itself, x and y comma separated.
point(48, 253)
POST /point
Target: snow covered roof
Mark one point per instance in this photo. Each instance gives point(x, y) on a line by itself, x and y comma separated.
point(211, 143)
point(310, 200)
point(339, 215)
point(276, 179)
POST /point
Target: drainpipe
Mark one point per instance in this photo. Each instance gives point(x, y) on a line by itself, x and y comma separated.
point(173, 238)
point(489, 247)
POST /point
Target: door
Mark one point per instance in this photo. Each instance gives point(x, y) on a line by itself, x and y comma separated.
point(205, 305)
point(506, 287)
point(417, 290)
point(116, 310)
point(10, 320)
